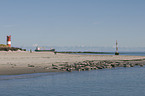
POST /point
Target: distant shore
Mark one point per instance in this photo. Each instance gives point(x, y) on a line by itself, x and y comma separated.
point(12, 63)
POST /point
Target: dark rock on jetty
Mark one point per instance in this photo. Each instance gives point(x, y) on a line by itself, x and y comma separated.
point(11, 49)
point(94, 65)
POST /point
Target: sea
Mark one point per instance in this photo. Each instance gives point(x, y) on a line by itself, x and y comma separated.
point(118, 81)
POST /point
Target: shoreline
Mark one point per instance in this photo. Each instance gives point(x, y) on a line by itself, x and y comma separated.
point(15, 63)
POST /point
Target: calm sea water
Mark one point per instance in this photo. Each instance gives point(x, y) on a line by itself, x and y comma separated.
point(105, 82)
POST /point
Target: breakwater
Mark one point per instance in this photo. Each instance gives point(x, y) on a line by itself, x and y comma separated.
point(70, 52)
point(94, 65)
point(11, 49)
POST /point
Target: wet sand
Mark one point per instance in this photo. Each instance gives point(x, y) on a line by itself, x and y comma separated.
point(12, 63)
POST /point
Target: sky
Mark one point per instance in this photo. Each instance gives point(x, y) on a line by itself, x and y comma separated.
point(73, 22)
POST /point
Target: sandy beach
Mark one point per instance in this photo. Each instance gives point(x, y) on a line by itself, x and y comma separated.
point(25, 62)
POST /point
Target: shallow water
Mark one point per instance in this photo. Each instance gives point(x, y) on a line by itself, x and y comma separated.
point(105, 82)
point(120, 53)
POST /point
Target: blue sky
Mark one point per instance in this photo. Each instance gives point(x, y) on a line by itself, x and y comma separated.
point(73, 22)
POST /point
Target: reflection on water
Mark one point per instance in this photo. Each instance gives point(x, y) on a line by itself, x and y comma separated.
point(25, 76)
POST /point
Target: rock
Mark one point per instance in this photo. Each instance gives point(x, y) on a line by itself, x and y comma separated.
point(120, 65)
point(126, 65)
point(83, 69)
point(87, 68)
point(30, 65)
point(132, 65)
point(54, 67)
point(137, 64)
point(99, 67)
point(109, 67)
point(95, 68)
point(69, 69)
point(141, 65)
point(113, 65)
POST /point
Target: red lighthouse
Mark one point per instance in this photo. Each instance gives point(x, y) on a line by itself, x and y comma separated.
point(9, 41)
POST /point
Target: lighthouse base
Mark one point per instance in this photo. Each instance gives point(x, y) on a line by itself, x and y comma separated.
point(116, 53)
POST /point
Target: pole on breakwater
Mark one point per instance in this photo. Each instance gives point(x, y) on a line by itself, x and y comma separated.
point(116, 53)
